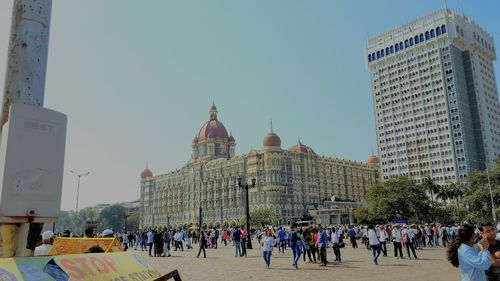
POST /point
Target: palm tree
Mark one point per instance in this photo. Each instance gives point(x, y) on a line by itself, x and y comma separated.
point(445, 193)
point(457, 191)
point(430, 186)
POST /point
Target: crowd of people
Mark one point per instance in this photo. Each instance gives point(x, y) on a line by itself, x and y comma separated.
point(474, 249)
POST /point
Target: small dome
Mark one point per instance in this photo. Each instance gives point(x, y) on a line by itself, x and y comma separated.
point(372, 160)
point(301, 148)
point(146, 174)
point(231, 138)
point(195, 140)
point(272, 139)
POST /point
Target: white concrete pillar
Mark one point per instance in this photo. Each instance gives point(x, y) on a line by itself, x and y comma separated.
point(27, 54)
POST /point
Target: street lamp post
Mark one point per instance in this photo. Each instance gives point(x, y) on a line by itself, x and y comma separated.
point(199, 218)
point(247, 206)
point(126, 215)
point(78, 187)
point(493, 213)
point(78, 194)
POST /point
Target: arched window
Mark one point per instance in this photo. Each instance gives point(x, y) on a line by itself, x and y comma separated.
point(411, 41)
point(396, 47)
point(382, 53)
point(443, 29)
point(387, 51)
point(392, 49)
point(406, 43)
point(378, 54)
point(438, 31)
point(373, 56)
point(432, 33)
point(401, 46)
point(427, 35)
point(416, 40)
point(421, 37)
point(369, 58)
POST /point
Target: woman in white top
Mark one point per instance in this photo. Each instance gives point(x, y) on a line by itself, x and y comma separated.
point(268, 242)
point(374, 243)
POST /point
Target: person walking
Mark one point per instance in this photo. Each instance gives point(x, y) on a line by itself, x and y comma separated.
point(352, 236)
point(282, 240)
point(268, 244)
point(322, 245)
point(374, 243)
point(336, 233)
point(296, 245)
point(244, 237)
point(408, 239)
point(224, 236)
point(166, 243)
point(158, 243)
point(308, 245)
point(150, 241)
point(216, 237)
point(237, 241)
point(259, 234)
point(179, 240)
point(203, 244)
point(125, 241)
point(383, 239)
point(472, 261)
point(396, 240)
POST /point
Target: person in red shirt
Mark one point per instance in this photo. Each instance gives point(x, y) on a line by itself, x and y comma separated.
point(314, 249)
point(244, 236)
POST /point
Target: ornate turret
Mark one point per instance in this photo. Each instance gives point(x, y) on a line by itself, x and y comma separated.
point(272, 140)
point(146, 173)
point(213, 140)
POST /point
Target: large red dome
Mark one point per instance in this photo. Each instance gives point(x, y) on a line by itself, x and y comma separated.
point(373, 160)
point(272, 139)
point(146, 174)
point(213, 129)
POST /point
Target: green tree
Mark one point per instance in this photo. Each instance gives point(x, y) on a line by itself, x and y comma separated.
point(361, 215)
point(477, 198)
point(430, 186)
point(398, 197)
point(133, 222)
point(112, 217)
point(457, 192)
point(260, 217)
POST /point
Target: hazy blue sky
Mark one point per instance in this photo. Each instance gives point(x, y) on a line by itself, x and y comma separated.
point(137, 78)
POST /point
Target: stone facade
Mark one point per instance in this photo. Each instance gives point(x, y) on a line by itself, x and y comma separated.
point(291, 182)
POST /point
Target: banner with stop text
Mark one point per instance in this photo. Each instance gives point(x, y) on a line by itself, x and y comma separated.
point(121, 266)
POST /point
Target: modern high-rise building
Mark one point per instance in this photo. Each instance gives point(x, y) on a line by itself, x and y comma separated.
point(435, 98)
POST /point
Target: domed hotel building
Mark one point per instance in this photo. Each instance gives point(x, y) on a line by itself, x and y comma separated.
point(289, 181)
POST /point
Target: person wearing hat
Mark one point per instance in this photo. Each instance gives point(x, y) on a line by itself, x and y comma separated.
point(108, 233)
point(47, 240)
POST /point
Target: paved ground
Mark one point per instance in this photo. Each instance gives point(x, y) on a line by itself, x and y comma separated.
point(357, 264)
